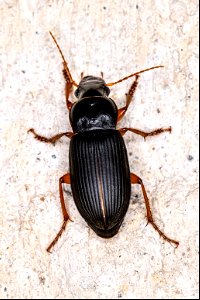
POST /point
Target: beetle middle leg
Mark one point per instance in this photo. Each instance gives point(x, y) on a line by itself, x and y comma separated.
point(51, 140)
point(137, 180)
point(63, 179)
point(143, 133)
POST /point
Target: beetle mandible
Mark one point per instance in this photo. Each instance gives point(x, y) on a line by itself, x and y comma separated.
point(99, 174)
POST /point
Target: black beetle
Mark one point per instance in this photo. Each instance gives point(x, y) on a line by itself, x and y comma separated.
point(99, 175)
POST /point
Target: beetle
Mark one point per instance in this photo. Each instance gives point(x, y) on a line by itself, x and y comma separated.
point(99, 174)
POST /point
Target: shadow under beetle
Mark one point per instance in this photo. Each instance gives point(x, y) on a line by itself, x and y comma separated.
point(99, 174)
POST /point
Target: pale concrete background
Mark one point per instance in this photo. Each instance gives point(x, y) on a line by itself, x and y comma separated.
point(118, 38)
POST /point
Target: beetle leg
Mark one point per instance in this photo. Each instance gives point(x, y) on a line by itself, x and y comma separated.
point(137, 180)
point(129, 97)
point(143, 133)
point(68, 89)
point(53, 139)
point(63, 179)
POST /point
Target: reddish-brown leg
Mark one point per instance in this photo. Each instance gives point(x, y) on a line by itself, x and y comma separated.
point(137, 180)
point(53, 139)
point(63, 179)
point(129, 97)
point(144, 134)
point(68, 89)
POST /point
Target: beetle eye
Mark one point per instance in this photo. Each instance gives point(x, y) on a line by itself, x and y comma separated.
point(107, 90)
point(77, 92)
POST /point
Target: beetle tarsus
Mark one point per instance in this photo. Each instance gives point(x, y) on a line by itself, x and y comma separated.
point(169, 240)
point(64, 179)
point(57, 236)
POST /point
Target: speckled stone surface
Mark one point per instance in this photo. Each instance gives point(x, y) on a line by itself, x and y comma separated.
point(117, 38)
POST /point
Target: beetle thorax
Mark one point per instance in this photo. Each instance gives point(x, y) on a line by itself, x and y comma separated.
point(94, 112)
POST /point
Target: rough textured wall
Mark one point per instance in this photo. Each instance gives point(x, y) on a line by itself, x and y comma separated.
point(117, 38)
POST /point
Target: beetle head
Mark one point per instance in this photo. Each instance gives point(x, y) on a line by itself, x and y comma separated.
point(91, 86)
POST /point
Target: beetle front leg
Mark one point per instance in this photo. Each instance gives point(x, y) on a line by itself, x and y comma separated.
point(143, 133)
point(53, 139)
point(137, 180)
point(129, 97)
point(63, 179)
point(68, 89)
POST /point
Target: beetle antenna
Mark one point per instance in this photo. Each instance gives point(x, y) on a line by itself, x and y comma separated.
point(134, 74)
point(64, 61)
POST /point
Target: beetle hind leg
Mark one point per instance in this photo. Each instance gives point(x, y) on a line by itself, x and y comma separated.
point(63, 179)
point(137, 180)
